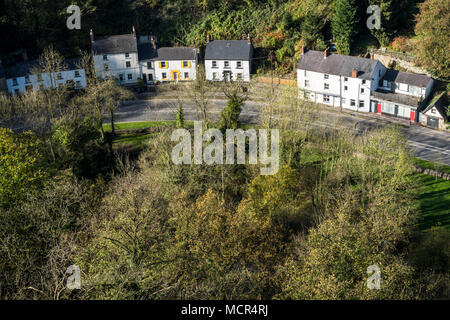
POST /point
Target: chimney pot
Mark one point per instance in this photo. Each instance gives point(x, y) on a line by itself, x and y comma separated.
point(208, 38)
point(325, 53)
point(133, 32)
point(354, 73)
point(153, 42)
point(92, 35)
point(249, 39)
point(303, 50)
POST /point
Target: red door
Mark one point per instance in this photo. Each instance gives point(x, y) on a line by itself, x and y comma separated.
point(379, 108)
point(413, 116)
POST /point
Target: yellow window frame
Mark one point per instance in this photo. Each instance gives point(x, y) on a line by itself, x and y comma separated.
point(182, 64)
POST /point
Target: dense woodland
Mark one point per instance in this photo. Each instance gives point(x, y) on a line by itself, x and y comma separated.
point(143, 228)
point(279, 28)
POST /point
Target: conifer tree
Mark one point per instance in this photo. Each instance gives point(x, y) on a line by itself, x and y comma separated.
point(180, 116)
point(344, 24)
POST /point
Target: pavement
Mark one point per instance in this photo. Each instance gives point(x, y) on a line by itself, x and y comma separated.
point(425, 143)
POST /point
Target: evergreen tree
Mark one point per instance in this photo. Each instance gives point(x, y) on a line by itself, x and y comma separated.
point(344, 24)
point(230, 114)
point(180, 116)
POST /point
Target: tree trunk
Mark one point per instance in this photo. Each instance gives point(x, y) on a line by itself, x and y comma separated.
point(112, 124)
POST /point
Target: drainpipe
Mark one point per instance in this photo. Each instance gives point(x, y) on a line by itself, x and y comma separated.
point(340, 92)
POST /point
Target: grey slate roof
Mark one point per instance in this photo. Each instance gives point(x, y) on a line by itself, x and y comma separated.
point(397, 98)
point(146, 52)
point(26, 68)
point(229, 50)
point(441, 105)
point(181, 53)
point(114, 44)
point(337, 64)
point(414, 79)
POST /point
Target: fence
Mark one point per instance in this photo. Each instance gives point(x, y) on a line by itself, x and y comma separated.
point(277, 80)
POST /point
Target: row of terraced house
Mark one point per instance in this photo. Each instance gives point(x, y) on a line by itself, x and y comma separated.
point(131, 59)
point(354, 83)
point(366, 85)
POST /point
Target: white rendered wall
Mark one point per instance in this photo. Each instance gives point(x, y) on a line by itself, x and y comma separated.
point(244, 70)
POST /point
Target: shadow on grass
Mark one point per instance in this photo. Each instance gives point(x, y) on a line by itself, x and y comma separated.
point(434, 199)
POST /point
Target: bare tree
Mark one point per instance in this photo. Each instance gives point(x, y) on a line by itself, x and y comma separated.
point(202, 92)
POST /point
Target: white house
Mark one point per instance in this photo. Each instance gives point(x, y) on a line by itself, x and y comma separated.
point(116, 57)
point(25, 76)
point(228, 60)
point(402, 94)
point(175, 64)
point(338, 80)
point(147, 51)
point(361, 84)
point(436, 113)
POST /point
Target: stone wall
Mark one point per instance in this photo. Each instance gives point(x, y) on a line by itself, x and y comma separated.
point(387, 59)
point(433, 173)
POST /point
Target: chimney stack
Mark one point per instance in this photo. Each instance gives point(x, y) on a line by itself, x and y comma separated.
point(208, 38)
point(153, 42)
point(92, 35)
point(133, 32)
point(303, 50)
point(325, 53)
point(354, 73)
point(372, 56)
point(249, 39)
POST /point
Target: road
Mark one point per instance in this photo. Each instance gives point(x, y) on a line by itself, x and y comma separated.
point(425, 143)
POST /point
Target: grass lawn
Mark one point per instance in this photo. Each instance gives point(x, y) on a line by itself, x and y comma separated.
point(139, 125)
point(134, 141)
point(434, 200)
point(431, 165)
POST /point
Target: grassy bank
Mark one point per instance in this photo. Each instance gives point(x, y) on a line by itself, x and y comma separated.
point(434, 201)
point(431, 165)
